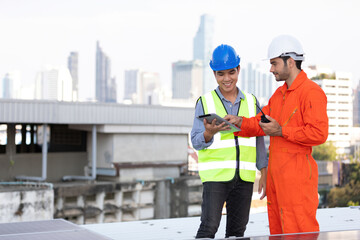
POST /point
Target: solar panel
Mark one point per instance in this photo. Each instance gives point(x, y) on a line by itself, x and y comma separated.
point(57, 229)
point(335, 235)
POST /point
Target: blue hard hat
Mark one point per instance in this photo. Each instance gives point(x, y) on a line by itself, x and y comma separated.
point(224, 57)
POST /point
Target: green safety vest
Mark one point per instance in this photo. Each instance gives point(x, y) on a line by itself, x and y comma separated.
point(217, 163)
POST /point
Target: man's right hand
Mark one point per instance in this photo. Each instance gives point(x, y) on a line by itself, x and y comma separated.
point(234, 119)
point(211, 129)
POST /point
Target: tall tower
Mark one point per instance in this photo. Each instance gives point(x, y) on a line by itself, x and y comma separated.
point(203, 47)
point(186, 79)
point(54, 83)
point(11, 85)
point(132, 78)
point(73, 68)
point(105, 85)
point(142, 87)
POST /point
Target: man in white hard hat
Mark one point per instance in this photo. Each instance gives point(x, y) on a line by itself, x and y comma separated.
point(297, 120)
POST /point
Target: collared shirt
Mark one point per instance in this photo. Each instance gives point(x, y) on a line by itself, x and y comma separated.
point(197, 132)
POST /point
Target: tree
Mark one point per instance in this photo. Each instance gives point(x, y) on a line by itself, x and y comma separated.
point(326, 151)
point(349, 195)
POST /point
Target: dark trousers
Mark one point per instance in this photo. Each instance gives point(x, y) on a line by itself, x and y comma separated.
point(237, 195)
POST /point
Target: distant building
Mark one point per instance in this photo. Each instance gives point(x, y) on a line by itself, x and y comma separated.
point(11, 85)
point(187, 79)
point(337, 87)
point(73, 60)
point(142, 87)
point(356, 110)
point(105, 85)
point(203, 47)
point(54, 83)
point(255, 81)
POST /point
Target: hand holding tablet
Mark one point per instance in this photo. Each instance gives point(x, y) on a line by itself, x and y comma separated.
point(211, 116)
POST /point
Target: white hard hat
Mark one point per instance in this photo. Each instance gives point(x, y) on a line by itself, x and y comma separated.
point(286, 45)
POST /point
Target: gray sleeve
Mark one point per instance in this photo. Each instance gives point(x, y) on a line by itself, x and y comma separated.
point(261, 155)
point(197, 132)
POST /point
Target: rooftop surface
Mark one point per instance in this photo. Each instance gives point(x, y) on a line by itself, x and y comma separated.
point(330, 219)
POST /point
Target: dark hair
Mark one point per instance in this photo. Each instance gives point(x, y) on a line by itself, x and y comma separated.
point(298, 63)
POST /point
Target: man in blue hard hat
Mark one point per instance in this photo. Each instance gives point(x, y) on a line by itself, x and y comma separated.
point(227, 164)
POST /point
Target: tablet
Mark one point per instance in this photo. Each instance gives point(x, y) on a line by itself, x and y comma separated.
point(211, 116)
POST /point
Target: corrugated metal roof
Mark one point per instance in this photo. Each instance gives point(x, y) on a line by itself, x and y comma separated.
point(55, 112)
point(330, 219)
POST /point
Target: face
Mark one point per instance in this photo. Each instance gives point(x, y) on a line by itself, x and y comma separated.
point(278, 68)
point(227, 79)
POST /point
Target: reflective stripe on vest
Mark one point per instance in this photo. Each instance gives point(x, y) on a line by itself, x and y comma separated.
point(218, 161)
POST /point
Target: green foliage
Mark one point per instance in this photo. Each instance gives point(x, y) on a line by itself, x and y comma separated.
point(345, 196)
point(324, 76)
point(326, 151)
point(349, 195)
point(351, 203)
point(355, 172)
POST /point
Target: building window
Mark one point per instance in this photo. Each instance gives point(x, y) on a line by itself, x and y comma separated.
point(64, 139)
point(61, 139)
point(25, 138)
point(3, 138)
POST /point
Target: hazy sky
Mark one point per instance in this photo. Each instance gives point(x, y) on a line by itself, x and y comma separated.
point(151, 34)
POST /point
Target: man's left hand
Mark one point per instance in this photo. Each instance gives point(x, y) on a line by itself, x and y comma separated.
point(272, 128)
point(262, 183)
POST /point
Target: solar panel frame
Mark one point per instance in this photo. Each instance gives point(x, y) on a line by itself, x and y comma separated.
point(57, 229)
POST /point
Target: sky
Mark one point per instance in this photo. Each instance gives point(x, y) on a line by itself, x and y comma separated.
point(152, 34)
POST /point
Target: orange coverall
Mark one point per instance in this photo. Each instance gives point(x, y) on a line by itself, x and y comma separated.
point(292, 180)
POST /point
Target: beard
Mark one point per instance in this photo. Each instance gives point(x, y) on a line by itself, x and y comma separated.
point(283, 75)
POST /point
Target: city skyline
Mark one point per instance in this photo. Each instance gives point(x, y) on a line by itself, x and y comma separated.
point(152, 34)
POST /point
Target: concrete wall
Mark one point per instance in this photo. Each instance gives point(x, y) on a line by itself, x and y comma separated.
point(30, 164)
point(139, 157)
point(150, 148)
point(138, 148)
point(26, 205)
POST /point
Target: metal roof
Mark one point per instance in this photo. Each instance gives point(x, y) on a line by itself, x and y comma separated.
point(55, 112)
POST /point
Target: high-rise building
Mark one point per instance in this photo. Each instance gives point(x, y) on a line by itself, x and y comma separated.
point(11, 85)
point(142, 87)
point(203, 47)
point(337, 87)
point(73, 68)
point(132, 81)
point(187, 79)
point(105, 85)
point(150, 88)
point(356, 109)
point(54, 83)
point(255, 81)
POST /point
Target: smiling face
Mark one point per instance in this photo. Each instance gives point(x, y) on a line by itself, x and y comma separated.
point(279, 69)
point(227, 80)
